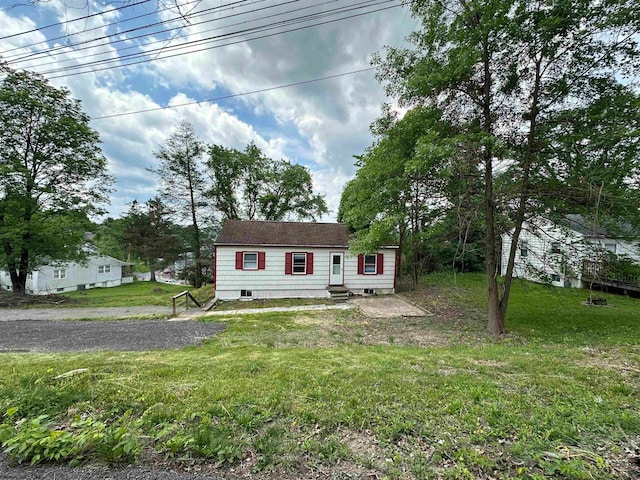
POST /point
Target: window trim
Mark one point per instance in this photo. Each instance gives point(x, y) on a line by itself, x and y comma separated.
point(244, 261)
point(293, 263)
point(247, 293)
point(59, 273)
point(103, 269)
point(524, 247)
point(375, 264)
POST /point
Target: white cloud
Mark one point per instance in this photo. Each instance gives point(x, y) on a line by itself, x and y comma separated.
point(321, 125)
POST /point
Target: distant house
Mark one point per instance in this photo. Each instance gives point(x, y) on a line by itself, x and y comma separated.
point(99, 271)
point(569, 254)
point(260, 259)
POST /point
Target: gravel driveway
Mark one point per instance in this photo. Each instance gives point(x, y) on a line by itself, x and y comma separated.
point(61, 472)
point(12, 314)
point(75, 336)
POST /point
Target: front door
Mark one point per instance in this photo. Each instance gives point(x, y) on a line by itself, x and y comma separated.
point(336, 276)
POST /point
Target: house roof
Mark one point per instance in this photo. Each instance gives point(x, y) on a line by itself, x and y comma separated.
point(298, 234)
point(585, 226)
point(580, 224)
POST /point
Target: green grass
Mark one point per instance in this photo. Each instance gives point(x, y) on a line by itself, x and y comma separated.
point(136, 293)
point(291, 393)
point(272, 302)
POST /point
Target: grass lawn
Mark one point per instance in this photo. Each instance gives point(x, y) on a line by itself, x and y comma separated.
point(272, 302)
point(335, 395)
point(136, 293)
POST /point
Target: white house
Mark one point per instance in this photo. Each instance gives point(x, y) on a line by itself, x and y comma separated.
point(261, 259)
point(99, 271)
point(565, 254)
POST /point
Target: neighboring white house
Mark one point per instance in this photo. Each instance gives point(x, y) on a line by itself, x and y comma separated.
point(559, 253)
point(99, 271)
point(260, 259)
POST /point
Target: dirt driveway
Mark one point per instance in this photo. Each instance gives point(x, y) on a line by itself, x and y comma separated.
point(388, 306)
point(121, 335)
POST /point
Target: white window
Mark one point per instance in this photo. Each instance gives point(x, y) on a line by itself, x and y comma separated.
point(59, 273)
point(250, 261)
point(104, 269)
point(299, 263)
point(555, 277)
point(370, 264)
point(30, 276)
point(555, 247)
point(246, 293)
point(524, 249)
point(611, 247)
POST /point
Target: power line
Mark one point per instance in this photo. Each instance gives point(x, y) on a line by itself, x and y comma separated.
point(75, 19)
point(179, 17)
point(213, 47)
point(235, 95)
point(128, 39)
point(256, 29)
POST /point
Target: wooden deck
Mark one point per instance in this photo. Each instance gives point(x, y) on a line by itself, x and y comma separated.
point(603, 274)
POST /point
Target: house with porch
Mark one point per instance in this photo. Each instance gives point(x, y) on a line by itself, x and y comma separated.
point(265, 259)
point(572, 253)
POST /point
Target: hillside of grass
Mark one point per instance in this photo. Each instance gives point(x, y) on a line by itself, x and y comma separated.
point(133, 294)
point(335, 395)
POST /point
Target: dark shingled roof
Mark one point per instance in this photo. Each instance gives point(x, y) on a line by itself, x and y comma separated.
point(299, 234)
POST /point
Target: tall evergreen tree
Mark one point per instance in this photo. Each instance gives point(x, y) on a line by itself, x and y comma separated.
point(182, 184)
point(150, 235)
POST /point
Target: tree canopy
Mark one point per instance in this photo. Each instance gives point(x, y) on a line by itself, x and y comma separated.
point(541, 99)
point(248, 185)
point(52, 175)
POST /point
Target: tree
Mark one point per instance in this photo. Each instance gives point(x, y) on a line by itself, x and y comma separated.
point(108, 236)
point(400, 188)
point(182, 184)
point(251, 186)
point(517, 77)
point(150, 234)
point(52, 175)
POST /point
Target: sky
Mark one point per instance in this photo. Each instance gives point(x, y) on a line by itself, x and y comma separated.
point(199, 50)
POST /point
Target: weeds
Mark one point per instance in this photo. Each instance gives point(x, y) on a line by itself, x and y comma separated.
point(277, 392)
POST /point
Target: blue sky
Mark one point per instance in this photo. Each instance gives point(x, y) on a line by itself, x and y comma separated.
point(320, 125)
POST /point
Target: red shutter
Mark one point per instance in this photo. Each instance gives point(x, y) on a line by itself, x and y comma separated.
point(238, 260)
point(360, 264)
point(288, 260)
point(380, 264)
point(309, 263)
point(261, 261)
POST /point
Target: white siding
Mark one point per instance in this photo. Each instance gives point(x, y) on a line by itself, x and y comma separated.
point(541, 264)
point(272, 282)
point(42, 281)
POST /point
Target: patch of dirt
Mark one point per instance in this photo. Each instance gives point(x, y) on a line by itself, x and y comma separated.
point(9, 300)
point(440, 302)
point(356, 328)
point(363, 445)
point(610, 359)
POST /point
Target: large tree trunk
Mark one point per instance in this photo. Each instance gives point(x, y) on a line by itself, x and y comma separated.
point(152, 268)
point(18, 281)
point(496, 319)
point(197, 282)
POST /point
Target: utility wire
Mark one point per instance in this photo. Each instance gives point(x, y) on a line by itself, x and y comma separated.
point(128, 39)
point(211, 47)
point(206, 11)
point(212, 39)
point(235, 95)
point(75, 19)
